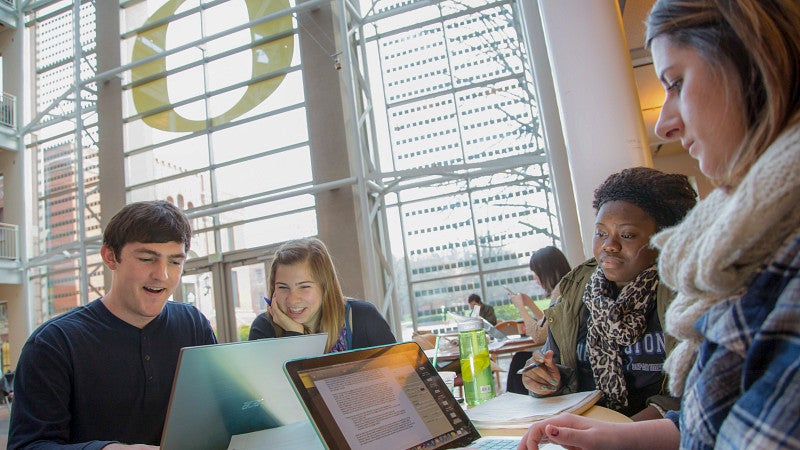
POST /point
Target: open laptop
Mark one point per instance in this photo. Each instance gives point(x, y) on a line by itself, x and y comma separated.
point(386, 397)
point(225, 389)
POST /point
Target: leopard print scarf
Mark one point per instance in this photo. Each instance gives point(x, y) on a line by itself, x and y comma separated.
point(613, 324)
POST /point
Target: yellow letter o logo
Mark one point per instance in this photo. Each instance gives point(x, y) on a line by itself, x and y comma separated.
point(268, 57)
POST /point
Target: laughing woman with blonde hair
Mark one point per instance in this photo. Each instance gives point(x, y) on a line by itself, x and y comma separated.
point(306, 298)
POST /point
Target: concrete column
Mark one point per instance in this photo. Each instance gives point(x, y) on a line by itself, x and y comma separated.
point(337, 218)
point(572, 244)
point(109, 112)
point(597, 98)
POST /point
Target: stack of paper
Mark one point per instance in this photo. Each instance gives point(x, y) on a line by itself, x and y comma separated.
point(511, 410)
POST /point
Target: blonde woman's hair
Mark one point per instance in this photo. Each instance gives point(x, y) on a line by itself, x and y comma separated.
point(760, 39)
point(332, 309)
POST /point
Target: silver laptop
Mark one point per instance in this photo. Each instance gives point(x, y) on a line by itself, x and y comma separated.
point(226, 389)
point(386, 397)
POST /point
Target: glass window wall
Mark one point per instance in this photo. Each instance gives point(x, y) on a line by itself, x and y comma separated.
point(214, 119)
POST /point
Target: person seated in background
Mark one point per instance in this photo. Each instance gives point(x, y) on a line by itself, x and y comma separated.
point(485, 311)
point(101, 374)
point(306, 297)
point(731, 71)
point(548, 266)
point(605, 328)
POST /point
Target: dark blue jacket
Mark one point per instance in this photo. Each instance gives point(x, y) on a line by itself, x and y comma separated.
point(87, 378)
point(369, 327)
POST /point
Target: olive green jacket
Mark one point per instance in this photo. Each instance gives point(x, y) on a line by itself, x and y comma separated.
point(564, 317)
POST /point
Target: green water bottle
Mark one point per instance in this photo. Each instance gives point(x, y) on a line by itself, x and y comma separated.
point(476, 367)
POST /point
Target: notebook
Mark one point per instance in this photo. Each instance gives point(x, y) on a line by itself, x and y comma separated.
point(386, 397)
point(225, 389)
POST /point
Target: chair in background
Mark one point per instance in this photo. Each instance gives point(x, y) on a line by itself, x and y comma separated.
point(508, 327)
point(425, 339)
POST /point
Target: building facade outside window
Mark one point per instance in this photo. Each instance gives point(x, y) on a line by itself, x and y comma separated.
point(214, 115)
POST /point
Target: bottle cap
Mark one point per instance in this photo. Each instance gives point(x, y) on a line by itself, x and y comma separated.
point(470, 325)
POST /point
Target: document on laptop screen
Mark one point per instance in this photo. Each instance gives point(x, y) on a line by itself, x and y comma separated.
point(381, 407)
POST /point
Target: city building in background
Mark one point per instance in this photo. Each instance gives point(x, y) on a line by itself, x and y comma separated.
point(406, 135)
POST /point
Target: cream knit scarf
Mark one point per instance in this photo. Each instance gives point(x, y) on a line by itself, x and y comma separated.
point(717, 249)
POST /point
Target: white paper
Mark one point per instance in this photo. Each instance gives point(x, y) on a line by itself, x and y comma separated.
point(375, 412)
point(511, 410)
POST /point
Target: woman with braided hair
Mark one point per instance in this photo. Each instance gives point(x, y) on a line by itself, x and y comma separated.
point(605, 330)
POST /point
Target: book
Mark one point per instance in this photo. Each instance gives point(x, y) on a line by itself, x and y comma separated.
point(510, 410)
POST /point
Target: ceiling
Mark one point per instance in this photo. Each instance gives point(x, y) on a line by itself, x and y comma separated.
point(651, 94)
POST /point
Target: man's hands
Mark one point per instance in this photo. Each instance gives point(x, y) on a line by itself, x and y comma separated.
point(118, 446)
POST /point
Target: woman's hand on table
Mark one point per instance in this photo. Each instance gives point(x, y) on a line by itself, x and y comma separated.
point(541, 375)
point(573, 432)
point(578, 432)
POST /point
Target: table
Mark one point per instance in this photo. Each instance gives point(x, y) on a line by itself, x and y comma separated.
point(448, 353)
point(595, 412)
point(514, 345)
point(448, 348)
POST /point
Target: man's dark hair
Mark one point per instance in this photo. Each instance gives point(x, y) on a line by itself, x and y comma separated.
point(474, 298)
point(666, 197)
point(147, 222)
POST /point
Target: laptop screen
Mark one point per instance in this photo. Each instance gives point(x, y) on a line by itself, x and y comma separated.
point(225, 389)
point(378, 398)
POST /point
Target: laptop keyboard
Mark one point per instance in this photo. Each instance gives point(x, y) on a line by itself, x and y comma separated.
point(496, 444)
